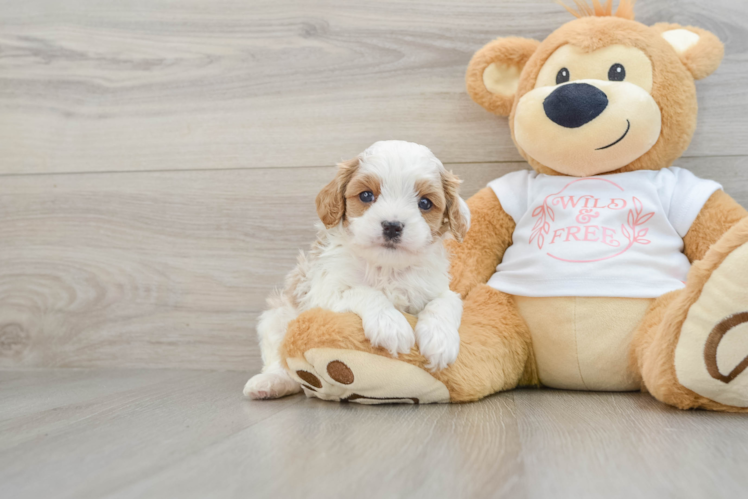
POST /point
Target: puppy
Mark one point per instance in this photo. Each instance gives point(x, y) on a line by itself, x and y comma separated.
point(379, 252)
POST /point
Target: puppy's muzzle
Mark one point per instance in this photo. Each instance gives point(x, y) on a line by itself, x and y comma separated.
point(575, 104)
point(392, 230)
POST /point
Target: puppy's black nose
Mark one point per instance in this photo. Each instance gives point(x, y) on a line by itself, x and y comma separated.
point(575, 104)
point(392, 230)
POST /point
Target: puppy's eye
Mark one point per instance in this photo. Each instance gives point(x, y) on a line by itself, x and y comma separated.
point(366, 197)
point(562, 76)
point(617, 73)
point(425, 204)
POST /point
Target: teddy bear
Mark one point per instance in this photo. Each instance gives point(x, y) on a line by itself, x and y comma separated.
point(604, 268)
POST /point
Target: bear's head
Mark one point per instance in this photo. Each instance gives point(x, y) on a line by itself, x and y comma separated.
point(602, 94)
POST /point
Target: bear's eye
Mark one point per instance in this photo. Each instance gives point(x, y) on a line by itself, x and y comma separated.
point(366, 197)
point(562, 76)
point(617, 73)
point(425, 204)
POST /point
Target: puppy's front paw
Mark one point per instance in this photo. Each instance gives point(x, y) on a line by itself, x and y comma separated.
point(271, 385)
point(438, 341)
point(389, 329)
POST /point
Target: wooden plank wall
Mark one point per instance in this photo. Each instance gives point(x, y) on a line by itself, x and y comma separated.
point(159, 159)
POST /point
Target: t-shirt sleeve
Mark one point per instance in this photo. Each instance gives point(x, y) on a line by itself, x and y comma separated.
point(689, 194)
point(512, 190)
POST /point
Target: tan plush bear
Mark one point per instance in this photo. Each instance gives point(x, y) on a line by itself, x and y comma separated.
point(604, 268)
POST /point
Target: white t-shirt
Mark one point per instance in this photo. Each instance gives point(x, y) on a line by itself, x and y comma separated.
point(617, 235)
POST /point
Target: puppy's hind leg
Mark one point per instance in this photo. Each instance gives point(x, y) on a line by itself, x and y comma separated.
point(273, 382)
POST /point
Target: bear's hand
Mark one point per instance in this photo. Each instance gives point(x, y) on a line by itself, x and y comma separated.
point(494, 350)
point(360, 377)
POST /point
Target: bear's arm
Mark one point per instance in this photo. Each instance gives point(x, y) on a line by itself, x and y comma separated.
point(719, 214)
point(475, 259)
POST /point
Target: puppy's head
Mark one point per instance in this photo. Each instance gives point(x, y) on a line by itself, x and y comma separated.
point(394, 198)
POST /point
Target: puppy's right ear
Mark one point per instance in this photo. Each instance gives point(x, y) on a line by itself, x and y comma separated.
point(493, 73)
point(457, 213)
point(331, 200)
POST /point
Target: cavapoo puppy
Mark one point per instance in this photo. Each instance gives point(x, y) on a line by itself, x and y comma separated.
point(378, 252)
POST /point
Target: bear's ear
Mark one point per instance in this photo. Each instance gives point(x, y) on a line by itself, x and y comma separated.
point(493, 73)
point(699, 50)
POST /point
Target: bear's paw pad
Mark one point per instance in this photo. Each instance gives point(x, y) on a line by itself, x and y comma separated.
point(354, 376)
point(712, 352)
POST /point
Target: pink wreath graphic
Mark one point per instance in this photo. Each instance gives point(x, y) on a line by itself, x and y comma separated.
point(632, 230)
point(634, 220)
point(545, 212)
point(542, 227)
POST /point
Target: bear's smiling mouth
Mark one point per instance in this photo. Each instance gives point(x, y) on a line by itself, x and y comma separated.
point(619, 140)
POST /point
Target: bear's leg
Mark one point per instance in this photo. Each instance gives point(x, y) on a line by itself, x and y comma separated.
point(692, 347)
point(329, 355)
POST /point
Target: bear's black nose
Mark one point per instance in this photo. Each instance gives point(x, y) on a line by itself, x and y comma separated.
point(575, 104)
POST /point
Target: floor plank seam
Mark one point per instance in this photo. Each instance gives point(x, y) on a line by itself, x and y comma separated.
point(290, 167)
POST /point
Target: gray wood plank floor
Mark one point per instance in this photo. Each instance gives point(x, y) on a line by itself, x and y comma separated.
point(172, 433)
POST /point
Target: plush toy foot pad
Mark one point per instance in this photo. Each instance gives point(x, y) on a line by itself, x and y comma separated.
point(712, 352)
point(359, 377)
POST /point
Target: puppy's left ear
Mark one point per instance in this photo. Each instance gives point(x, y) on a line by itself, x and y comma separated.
point(456, 212)
point(699, 50)
point(331, 200)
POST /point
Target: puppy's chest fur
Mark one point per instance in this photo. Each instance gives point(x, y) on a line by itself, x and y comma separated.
point(331, 268)
point(407, 289)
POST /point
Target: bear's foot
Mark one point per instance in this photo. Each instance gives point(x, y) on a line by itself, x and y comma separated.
point(711, 356)
point(360, 377)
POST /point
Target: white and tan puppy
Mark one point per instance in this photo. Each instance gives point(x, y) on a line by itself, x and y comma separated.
point(379, 253)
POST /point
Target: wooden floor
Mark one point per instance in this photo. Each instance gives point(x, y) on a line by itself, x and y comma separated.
point(158, 165)
point(176, 433)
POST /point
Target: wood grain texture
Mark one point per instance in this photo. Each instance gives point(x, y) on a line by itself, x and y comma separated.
point(628, 446)
point(106, 85)
point(160, 269)
point(117, 428)
point(395, 451)
point(170, 433)
point(169, 269)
